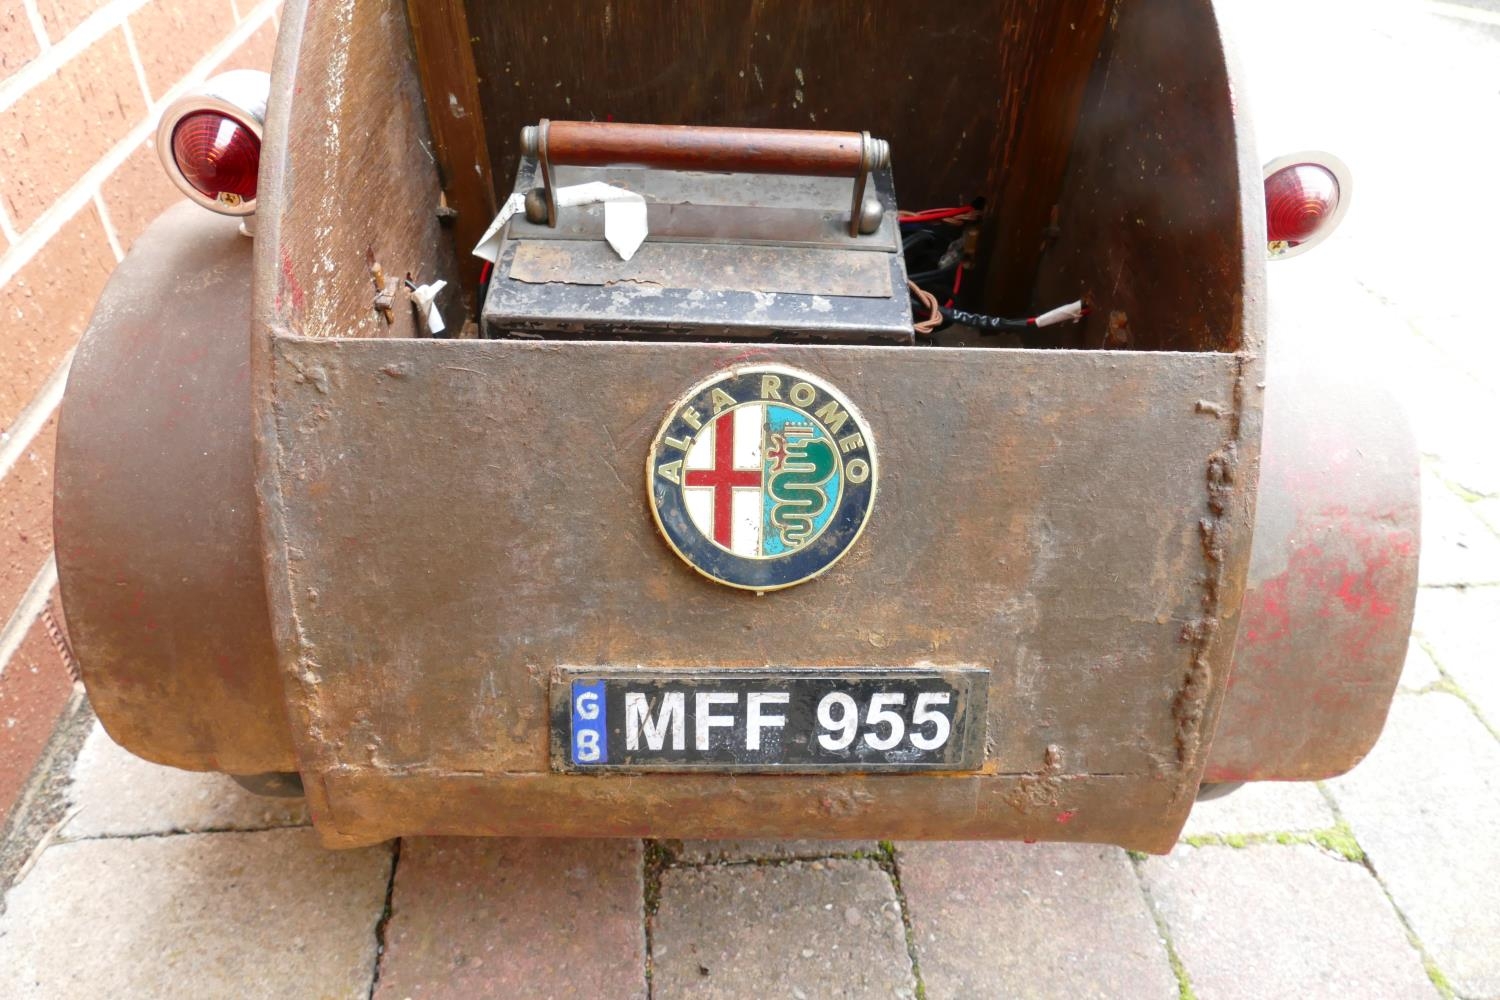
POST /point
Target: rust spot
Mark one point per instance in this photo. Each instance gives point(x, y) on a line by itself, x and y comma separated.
point(1191, 704)
point(1041, 790)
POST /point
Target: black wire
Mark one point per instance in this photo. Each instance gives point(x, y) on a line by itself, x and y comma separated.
point(982, 322)
point(921, 276)
point(917, 237)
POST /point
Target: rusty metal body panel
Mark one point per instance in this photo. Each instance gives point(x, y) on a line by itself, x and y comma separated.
point(439, 526)
point(1012, 537)
point(1333, 574)
point(158, 553)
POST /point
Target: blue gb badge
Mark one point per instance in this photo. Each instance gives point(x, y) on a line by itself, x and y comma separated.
point(590, 734)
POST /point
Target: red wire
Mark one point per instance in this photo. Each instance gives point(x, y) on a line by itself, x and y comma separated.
point(958, 280)
point(934, 214)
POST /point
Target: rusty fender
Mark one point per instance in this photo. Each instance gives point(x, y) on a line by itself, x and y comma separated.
point(158, 551)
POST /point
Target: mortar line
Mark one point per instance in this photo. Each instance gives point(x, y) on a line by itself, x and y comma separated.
point(15, 439)
point(59, 53)
point(78, 196)
point(33, 602)
point(38, 26)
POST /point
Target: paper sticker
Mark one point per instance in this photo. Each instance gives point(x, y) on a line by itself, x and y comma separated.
point(624, 217)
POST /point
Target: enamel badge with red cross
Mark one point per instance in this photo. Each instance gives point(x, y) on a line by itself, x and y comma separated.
point(761, 477)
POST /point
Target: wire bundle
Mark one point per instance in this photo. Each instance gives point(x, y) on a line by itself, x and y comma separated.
point(933, 243)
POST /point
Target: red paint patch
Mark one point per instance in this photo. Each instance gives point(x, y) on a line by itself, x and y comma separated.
point(1066, 815)
point(291, 284)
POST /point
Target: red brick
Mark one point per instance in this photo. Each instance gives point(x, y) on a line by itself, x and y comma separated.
point(34, 690)
point(137, 193)
point(172, 35)
point(46, 306)
point(26, 518)
point(538, 918)
point(17, 40)
point(255, 52)
point(61, 16)
point(62, 126)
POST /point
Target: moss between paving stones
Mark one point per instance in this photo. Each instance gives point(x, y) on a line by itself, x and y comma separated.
point(1338, 840)
point(887, 861)
point(1447, 685)
point(1163, 932)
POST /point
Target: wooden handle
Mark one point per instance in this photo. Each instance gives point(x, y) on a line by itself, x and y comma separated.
point(693, 147)
point(690, 147)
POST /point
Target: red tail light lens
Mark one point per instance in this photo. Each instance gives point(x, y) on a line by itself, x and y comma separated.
point(1307, 196)
point(218, 156)
point(1300, 199)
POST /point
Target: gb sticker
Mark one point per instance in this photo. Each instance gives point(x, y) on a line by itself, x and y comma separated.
point(589, 726)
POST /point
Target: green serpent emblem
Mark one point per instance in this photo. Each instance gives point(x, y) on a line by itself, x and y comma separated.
point(805, 465)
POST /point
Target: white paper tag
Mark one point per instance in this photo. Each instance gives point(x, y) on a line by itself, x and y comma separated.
point(625, 226)
point(624, 217)
point(425, 297)
point(489, 244)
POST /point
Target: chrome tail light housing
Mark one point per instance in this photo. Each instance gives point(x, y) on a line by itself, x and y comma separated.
point(209, 140)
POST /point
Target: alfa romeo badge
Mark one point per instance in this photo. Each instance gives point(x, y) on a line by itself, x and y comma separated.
point(761, 477)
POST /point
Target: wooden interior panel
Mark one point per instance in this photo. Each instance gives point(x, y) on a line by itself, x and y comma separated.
point(445, 63)
point(1152, 217)
point(951, 89)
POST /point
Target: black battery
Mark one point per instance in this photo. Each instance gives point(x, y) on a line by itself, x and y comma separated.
point(728, 256)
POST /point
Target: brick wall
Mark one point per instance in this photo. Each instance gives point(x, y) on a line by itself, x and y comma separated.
point(82, 83)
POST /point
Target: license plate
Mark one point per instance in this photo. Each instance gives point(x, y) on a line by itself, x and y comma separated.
point(788, 720)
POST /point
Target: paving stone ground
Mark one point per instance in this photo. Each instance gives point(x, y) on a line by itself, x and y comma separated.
point(266, 914)
point(115, 794)
point(1262, 808)
point(1032, 920)
point(1381, 883)
point(798, 929)
point(1279, 921)
point(1446, 625)
point(545, 919)
point(1426, 807)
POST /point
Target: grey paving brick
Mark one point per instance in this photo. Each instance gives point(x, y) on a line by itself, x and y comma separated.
point(118, 794)
point(1283, 921)
point(1031, 920)
point(268, 914)
point(1462, 627)
point(706, 851)
point(515, 918)
point(820, 929)
point(1425, 806)
point(1457, 546)
point(1418, 671)
point(1262, 807)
